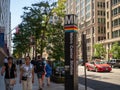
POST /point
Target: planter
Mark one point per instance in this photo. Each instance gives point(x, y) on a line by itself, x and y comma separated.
point(57, 79)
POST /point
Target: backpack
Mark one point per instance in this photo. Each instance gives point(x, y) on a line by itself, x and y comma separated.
point(40, 66)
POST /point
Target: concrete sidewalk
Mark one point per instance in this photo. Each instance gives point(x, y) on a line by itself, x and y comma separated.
point(53, 86)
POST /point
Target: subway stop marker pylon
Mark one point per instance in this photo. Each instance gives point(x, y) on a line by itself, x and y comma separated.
point(71, 56)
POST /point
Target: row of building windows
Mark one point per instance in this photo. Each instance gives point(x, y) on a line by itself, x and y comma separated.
point(116, 11)
point(101, 20)
point(101, 38)
point(101, 13)
point(101, 30)
point(116, 34)
point(116, 22)
point(114, 2)
point(101, 4)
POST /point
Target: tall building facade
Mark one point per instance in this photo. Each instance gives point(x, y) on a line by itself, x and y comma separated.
point(112, 24)
point(91, 21)
point(5, 23)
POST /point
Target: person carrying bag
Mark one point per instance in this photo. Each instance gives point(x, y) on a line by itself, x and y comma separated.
point(10, 74)
point(27, 74)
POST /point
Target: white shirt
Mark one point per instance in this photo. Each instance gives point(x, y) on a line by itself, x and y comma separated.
point(27, 70)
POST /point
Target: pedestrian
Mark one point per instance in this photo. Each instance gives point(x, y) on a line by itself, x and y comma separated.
point(27, 74)
point(5, 60)
point(20, 62)
point(48, 69)
point(40, 67)
point(10, 74)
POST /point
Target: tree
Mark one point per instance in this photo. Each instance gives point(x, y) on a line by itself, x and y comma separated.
point(55, 48)
point(115, 50)
point(48, 36)
point(100, 51)
point(35, 22)
point(21, 42)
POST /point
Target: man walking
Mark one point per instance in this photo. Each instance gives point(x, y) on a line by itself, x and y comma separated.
point(40, 67)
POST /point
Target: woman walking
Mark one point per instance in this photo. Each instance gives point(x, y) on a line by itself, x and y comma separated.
point(27, 74)
point(10, 74)
point(48, 72)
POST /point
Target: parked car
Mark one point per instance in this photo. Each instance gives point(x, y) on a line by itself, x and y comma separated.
point(98, 66)
point(59, 71)
point(114, 63)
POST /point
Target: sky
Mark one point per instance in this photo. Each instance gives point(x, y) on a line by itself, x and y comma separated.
point(16, 10)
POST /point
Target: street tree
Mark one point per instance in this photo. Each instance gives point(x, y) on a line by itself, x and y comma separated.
point(115, 50)
point(55, 48)
point(100, 51)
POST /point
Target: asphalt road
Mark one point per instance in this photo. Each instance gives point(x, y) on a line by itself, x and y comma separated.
point(100, 80)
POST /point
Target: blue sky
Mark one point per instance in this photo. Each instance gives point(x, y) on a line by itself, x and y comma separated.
point(17, 11)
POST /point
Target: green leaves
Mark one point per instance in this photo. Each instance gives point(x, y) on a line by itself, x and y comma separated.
point(115, 50)
point(100, 51)
point(48, 36)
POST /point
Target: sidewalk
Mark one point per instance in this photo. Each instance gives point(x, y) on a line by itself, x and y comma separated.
point(53, 86)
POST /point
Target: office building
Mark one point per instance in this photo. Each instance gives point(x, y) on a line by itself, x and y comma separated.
point(91, 21)
point(5, 22)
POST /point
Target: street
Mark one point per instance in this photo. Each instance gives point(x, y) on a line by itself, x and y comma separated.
point(101, 80)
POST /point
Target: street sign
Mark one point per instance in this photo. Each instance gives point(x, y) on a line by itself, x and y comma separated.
point(71, 58)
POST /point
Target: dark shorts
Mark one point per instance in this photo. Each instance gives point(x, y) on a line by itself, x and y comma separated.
point(40, 74)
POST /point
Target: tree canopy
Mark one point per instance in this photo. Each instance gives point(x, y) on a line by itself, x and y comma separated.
point(36, 23)
point(115, 50)
point(100, 51)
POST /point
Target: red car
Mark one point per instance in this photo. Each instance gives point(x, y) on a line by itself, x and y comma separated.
point(98, 66)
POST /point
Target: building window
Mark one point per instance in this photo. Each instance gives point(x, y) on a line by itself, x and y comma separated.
point(115, 34)
point(88, 8)
point(107, 25)
point(116, 11)
point(98, 29)
point(88, 1)
point(114, 2)
point(116, 22)
point(88, 15)
point(108, 35)
point(99, 20)
point(98, 38)
point(107, 15)
point(107, 4)
point(101, 5)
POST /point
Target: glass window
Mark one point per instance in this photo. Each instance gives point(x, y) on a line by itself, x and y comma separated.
point(98, 29)
point(108, 25)
point(98, 38)
point(82, 12)
point(82, 4)
point(107, 4)
point(88, 8)
point(103, 5)
point(107, 14)
point(87, 1)
point(88, 15)
point(99, 20)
